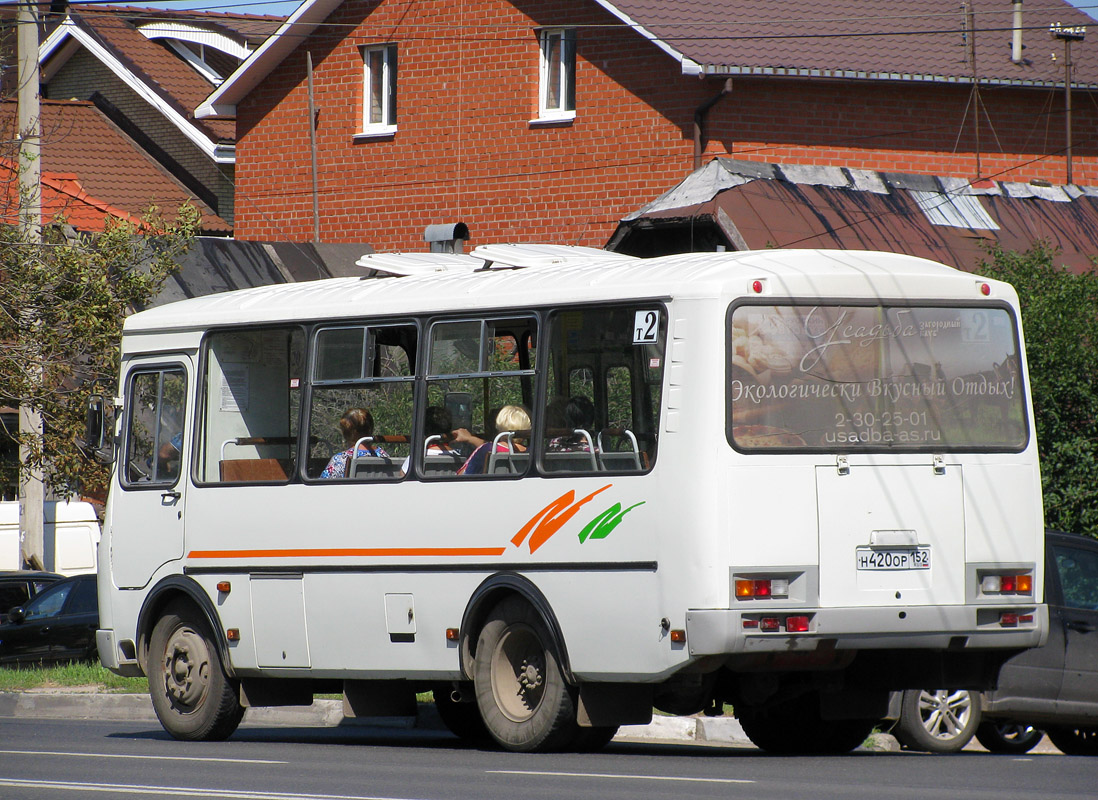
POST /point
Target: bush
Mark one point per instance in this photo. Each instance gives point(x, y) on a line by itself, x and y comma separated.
point(1060, 324)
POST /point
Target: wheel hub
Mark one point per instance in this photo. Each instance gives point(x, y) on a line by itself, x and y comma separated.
point(944, 713)
point(530, 676)
point(186, 668)
point(518, 673)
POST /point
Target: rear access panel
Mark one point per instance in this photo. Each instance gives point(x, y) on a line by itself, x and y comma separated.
point(891, 535)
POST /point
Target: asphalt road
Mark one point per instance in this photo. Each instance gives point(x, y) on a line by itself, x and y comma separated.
point(50, 759)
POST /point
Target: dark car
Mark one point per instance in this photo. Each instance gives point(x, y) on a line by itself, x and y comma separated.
point(19, 586)
point(1052, 688)
point(57, 625)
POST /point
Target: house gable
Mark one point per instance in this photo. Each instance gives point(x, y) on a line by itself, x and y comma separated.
point(58, 49)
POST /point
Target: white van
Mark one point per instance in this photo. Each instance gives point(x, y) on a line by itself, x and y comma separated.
point(70, 537)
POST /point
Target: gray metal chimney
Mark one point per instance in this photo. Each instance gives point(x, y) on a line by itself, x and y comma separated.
point(1016, 45)
point(446, 237)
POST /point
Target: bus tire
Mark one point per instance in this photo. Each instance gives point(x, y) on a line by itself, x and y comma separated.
point(796, 728)
point(193, 697)
point(520, 689)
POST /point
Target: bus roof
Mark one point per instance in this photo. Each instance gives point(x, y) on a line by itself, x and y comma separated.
point(799, 273)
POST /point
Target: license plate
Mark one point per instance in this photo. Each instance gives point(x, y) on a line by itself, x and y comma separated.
point(892, 558)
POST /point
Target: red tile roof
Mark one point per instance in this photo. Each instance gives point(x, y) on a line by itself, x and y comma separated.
point(859, 39)
point(90, 167)
point(251, 28)
point(167, 74)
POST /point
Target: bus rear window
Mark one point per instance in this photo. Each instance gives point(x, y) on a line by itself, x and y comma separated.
point(856, 377)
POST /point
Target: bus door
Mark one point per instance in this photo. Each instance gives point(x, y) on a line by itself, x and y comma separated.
point(147, 513)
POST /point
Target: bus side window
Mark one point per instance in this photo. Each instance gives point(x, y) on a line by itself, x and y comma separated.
point(602, 402)
point(362, 372)
point(251, 406)
point(479, 371)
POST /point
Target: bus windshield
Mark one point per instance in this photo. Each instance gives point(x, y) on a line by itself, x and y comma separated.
point(871, 377)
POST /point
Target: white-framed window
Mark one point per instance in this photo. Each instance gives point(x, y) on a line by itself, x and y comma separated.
point(379, 76)
point(557, 94)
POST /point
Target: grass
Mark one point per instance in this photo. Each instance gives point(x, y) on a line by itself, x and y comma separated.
point(83, 675)
point(69, 676)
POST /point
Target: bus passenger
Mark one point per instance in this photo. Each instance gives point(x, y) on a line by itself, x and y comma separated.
point(579, 414)
point(356, 423)
point(510, 418)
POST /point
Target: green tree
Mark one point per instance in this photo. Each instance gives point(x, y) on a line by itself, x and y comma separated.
point(62, 305)
point(1060, 322)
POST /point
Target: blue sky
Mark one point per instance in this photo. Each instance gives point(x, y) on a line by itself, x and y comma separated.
point(1088, 6)
point(280, 7)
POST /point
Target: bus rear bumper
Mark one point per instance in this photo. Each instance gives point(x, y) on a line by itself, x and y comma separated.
point(729, 631)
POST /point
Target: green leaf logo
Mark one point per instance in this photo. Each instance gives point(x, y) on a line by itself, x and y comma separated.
point(601, 526)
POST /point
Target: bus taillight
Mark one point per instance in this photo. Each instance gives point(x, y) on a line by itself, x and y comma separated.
point(1007, 584)
point(761, 588)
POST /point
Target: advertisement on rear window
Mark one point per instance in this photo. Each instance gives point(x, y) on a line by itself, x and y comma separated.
point(846, 377)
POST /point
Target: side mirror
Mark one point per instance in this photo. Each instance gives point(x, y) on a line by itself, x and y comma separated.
point(17, 616)
point(96, 433)
point(94, 423)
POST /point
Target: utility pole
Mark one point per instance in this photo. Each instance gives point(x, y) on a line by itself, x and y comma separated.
point(31, 486)
point(970, 27)
point(1067, 36)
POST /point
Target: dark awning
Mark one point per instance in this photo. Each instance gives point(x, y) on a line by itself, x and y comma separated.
point(754, 206)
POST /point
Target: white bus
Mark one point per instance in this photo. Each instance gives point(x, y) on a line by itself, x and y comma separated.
point(789, 481)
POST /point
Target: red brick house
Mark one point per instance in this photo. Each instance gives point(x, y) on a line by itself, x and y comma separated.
point(554, 120)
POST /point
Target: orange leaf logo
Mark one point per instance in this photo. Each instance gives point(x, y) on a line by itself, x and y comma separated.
point(552, 518)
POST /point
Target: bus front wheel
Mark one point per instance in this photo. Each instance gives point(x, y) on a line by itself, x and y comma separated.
point(523, 698)
point(193, 698)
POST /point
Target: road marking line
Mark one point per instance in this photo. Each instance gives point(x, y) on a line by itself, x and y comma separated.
point(615, 775)
point(180, 791)
point(150, 758)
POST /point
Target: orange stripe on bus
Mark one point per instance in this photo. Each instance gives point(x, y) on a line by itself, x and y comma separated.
point(340, 552)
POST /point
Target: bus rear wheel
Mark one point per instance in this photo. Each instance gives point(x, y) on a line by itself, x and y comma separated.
point(796, 728)
point(523, 698)
point(191, 694)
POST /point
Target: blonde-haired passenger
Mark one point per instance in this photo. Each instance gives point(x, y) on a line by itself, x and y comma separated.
point(510, 418)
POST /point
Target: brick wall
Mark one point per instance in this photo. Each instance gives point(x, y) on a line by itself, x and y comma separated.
point(465, 148)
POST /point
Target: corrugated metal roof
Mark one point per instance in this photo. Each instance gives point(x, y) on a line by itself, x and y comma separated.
point(691, 275)
point(944, 219)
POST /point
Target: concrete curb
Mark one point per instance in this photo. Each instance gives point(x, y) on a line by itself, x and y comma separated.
point(56, 704)
point(65, 704)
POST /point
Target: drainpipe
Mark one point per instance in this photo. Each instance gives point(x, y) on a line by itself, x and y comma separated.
point(699, 120)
